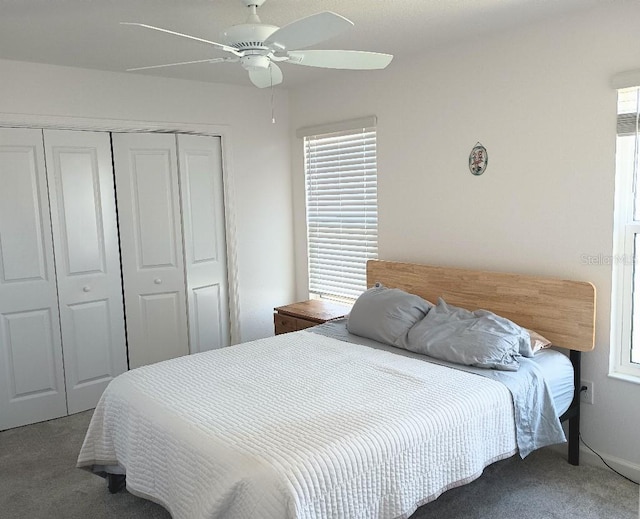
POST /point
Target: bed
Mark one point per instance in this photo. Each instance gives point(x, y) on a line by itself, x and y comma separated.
point(307, 425)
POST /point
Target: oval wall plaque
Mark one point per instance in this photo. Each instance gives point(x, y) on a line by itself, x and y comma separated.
point(478, 159)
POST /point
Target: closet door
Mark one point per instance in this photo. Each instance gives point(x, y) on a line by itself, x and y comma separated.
point(151, 244)
point(31, 373)
point(205, 252)
point(87, 256)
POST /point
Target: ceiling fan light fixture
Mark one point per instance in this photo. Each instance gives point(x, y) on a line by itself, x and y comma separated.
point(255, 62)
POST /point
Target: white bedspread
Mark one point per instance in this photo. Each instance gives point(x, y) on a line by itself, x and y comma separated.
point(298, 426)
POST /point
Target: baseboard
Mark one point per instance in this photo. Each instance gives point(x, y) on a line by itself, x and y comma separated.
point(629, 469)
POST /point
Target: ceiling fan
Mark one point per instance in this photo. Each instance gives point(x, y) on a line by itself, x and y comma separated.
point(259, 47)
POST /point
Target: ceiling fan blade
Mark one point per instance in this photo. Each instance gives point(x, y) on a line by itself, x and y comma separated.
point(215, 60)
point(266, 77)
point(220, 45)
point(308, 31)
point(341, 59)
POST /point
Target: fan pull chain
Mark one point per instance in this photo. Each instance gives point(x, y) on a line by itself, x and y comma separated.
point(273, 115)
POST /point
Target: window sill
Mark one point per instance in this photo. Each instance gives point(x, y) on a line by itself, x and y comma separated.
point(626, 377)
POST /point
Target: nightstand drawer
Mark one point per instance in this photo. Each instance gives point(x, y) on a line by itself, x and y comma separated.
point(284, 323)
point(287, 323)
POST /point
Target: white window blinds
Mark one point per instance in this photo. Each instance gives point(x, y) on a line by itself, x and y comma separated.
point(342, 210)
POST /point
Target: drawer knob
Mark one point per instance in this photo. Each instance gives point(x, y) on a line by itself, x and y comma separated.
point(86, 288)
point(157, 281)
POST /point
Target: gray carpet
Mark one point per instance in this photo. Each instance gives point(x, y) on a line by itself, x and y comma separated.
point(38, 480)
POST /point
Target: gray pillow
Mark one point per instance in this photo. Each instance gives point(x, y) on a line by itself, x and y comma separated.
point(386, 314)
point(479, 338)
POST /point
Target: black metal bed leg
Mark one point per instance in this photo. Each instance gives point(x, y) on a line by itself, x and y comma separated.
point(574, 420)
point(574, 440)
point(116, 482)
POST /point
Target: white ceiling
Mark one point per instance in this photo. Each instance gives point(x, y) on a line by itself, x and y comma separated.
point(86, 33)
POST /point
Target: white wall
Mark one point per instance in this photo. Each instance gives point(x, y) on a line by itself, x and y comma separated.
point(539, 99)
point(260, 160)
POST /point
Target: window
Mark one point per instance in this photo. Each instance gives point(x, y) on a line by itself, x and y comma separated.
point(626, 258)
point(342, 206)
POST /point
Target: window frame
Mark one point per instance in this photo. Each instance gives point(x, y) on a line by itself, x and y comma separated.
point(625, 257)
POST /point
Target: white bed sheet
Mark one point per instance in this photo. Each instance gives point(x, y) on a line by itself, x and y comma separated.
point(557, 371)
point(298, 426)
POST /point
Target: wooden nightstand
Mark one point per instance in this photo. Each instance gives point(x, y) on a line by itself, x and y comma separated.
point(305, 314)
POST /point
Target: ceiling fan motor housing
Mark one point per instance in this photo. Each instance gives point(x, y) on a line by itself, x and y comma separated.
point(248, 36)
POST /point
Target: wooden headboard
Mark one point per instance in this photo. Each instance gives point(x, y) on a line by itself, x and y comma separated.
point(563, 311)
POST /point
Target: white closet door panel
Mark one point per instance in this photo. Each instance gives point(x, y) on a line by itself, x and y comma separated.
point(160, 316)
point(31, 371)
point(80, 175)
point(151, 242)
point(90, 330)
point(28, 336)
point(21, 224)
point(207, 319)
point(154, 209)
point(77, 171)
point(205, 247)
